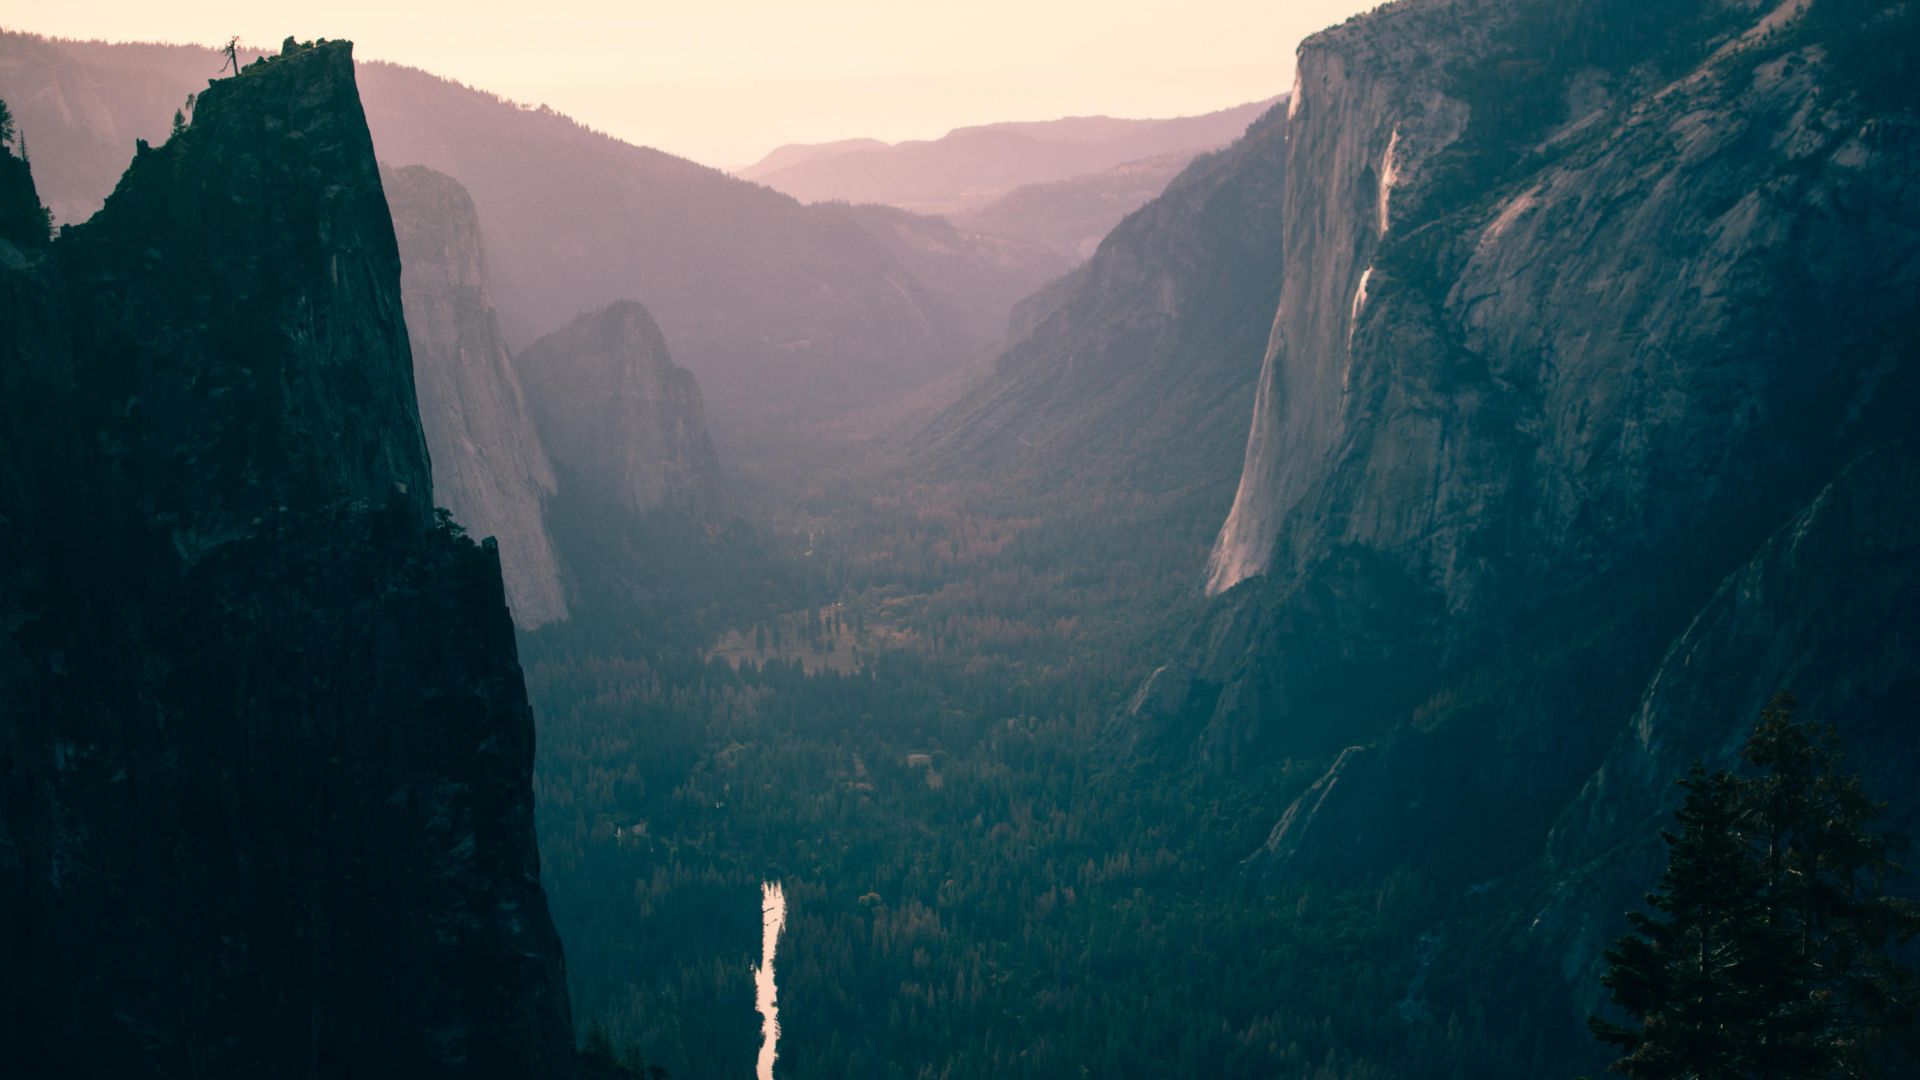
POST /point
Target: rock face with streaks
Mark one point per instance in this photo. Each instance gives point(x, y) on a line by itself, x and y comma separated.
point(265, 751)
point(1588, 309)
point(489, 468)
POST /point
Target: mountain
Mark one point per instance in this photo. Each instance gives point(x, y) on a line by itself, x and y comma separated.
point(795, 153)
point(1137, 372)
point(774, 306)
point(780, 309)
point(1591, 358)
point(970, 167)
point(489, 467)
point(1071, 216)
point(624, 422)
point(267, 753)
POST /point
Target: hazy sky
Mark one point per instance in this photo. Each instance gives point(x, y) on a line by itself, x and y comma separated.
point(724, 81)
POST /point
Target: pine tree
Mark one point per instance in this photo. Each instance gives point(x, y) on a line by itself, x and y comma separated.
point(1769, 952)
point(6, 124)
point(599, 1045)
point(1827, 869)
point(1680, 972)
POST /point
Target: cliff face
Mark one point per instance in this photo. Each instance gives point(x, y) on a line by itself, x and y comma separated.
point(623, 421)
point(275, 302)
point(266, 750)
point(1356, 137)
point(1582, 302)
point(489, 468)
point(1597, 329)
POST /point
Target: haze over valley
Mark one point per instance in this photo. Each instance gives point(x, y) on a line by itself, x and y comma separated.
point(1335, 543)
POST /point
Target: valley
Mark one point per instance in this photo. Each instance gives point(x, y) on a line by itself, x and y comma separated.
point(1226, 596)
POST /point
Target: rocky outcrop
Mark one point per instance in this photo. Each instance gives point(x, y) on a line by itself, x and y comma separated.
point(623, 421)
point(275, 302)
point(265, 751)
point(80, 105)
point(489, 468)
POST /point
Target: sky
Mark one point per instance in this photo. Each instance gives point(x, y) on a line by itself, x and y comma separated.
point(725, 81)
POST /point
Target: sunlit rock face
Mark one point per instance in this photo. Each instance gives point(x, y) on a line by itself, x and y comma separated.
point(1353, 137)
point(489, 468)
point(265, 752)
point(621, 419)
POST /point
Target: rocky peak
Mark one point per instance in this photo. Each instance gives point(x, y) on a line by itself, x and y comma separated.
point(265, 751)
point(620, 418)
point(237, 318)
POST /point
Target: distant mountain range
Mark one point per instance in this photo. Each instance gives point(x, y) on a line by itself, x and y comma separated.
point(970, 167)
point(1072, 216)
point(778, 308)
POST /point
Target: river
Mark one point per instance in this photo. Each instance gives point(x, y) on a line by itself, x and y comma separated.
point(773, 919)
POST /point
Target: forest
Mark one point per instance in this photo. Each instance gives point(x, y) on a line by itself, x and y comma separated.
point(987, 875)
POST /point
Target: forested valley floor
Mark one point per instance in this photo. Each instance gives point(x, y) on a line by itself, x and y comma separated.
point(904, 700)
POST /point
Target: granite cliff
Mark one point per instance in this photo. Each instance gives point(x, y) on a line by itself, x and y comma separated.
point(265, 751)
point(1579, 433)
point(489, 467)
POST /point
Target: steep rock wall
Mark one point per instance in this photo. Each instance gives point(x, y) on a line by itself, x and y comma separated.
point(489, 467)
point(265, 751)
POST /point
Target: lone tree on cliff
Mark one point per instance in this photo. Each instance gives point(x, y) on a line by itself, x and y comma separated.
point(1769, 951)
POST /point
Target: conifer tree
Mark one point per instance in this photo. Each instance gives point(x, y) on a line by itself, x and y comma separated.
point(1769, 952)
point(1680, 972)
point(1827, 869)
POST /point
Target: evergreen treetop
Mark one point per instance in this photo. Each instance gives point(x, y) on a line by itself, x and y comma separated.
point(1768, 951)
